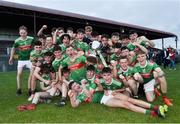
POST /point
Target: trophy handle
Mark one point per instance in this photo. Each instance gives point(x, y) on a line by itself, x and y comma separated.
point(102, 58)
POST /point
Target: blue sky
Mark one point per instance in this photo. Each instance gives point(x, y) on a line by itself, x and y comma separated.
point(158, 14)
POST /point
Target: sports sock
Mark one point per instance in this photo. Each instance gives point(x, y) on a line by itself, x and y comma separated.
point(33, 92)
point(154, 107)
point(149, 112)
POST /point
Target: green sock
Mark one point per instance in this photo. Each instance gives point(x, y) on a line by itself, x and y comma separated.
point(148, 112)
point(151, 107)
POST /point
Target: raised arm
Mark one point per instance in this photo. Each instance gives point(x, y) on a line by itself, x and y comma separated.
point(40, 32)
point(55, 36)
point(141, 47)
point(148, 42)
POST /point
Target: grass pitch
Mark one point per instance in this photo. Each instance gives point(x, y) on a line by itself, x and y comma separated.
point(85, 113)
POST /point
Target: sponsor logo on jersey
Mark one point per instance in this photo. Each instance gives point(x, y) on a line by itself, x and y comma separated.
point(26, 47)
point(76, 66)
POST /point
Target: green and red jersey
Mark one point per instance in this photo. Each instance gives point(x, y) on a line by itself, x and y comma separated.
point(114, 85)
point(81, 46)
point(24, 47)
point(58, 40)
point(91, 84)
point(96, 97)
point(63, 47)
point(131, 47)
point(48, 49)
point(126, 73)
point(56, 63)
point(77, 68)
point(147, 70)
point(115, 57)
point(34, 56)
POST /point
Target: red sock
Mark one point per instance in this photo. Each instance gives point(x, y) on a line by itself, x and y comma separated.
point(164, 96)
point(156, 108)
point(153, 113)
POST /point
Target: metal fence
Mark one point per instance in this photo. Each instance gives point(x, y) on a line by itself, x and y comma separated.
point(4, 66)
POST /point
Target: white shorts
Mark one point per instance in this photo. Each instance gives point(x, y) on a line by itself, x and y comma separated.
point(149, 86)
point(53, 92)
point(105, 98)
point(26, 63)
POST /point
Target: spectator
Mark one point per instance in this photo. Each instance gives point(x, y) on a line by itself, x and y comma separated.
point(88, 34)
point(172, 59)
point(166, 58)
